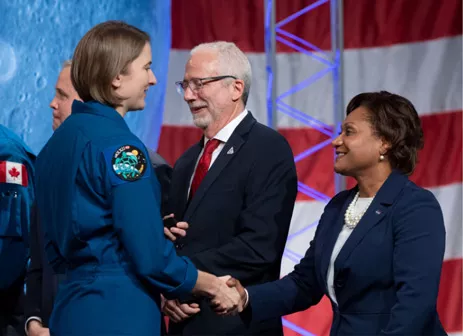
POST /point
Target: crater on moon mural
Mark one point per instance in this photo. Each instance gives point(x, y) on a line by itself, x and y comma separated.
point(36, 36)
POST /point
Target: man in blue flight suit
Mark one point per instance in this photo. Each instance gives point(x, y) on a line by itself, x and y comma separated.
point(16, 198)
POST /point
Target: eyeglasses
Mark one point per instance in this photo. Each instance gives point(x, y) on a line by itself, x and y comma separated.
point(197, 84)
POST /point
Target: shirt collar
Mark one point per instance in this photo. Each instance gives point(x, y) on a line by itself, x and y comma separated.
point(225, 133)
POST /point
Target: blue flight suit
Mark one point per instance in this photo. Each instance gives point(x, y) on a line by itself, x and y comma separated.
point(16, 198)
point(98, 199)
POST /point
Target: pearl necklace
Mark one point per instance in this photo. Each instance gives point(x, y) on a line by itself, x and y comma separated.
point(350, 220)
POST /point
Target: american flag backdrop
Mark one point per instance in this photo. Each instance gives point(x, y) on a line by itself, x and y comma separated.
point(409, 47)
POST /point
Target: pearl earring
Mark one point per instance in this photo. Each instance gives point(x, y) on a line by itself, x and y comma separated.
point(381, 157)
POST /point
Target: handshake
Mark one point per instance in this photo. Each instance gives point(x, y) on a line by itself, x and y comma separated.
point(227, 297)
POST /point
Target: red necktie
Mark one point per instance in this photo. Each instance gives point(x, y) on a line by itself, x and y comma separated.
point(203, 165)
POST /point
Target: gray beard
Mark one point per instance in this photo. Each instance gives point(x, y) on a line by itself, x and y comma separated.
point(201, 124)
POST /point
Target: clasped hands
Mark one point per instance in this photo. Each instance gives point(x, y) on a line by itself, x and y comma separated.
point(229, 299)
point(227, 296)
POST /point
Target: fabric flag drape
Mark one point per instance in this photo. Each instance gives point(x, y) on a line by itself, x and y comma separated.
point(400, 46)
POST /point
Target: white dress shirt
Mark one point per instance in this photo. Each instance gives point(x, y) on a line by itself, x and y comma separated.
point(359, 206)
point(30, 319)
point(223, 135)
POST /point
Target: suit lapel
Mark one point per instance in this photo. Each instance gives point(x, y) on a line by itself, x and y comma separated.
point(337, 217)
point(219, 164)
point(372, 216)
point(375, 213)
point(228, 152)
point(185, 170)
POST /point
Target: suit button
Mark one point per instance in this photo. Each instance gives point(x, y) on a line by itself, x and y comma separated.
point(340, 278)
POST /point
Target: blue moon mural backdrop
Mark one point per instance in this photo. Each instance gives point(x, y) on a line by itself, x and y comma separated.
point(36, 36)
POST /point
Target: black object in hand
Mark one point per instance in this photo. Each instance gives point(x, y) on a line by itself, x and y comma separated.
point(170, 222)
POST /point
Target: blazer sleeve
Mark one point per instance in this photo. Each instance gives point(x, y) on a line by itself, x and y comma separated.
point(295, 292)
point(419, 235)
point(33, 300)
point(264, 221)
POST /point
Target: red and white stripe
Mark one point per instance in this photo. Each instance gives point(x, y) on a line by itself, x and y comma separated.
point(13, 172)
point(398, 46)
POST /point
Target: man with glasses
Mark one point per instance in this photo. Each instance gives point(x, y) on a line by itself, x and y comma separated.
point(235, 188)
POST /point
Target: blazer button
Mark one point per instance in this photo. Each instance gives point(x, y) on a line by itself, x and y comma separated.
point(339, 283)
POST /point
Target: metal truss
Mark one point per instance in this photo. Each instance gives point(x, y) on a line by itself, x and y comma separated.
point(332, 62)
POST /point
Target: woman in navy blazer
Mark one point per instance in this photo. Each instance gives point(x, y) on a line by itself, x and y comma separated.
point(378, 249)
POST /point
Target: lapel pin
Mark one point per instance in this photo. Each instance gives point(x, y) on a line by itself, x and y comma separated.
point(378, 212)
point(230, 151)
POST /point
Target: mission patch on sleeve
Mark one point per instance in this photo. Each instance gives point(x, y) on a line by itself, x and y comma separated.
point(129, 163)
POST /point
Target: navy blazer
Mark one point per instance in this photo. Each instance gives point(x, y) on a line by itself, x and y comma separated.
point(386, 276)
point(239, 218)
point(42, 283)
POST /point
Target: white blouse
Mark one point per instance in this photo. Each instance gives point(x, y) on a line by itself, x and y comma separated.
point(359, 206)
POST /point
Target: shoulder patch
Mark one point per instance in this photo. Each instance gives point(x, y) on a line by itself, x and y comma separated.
point(13, 172)
point(129, 163)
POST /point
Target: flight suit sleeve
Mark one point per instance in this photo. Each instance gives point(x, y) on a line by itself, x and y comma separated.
point(135, 199)
point(16, 198)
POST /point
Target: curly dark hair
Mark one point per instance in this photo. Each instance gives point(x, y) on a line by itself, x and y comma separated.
point(395, 120)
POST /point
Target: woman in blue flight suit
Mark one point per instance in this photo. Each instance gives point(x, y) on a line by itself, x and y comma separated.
point(16, 198)
point(98, 197)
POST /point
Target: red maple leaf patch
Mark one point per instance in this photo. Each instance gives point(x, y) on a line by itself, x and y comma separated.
point(14, 172)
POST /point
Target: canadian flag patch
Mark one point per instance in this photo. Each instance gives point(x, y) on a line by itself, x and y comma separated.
point(13, 172)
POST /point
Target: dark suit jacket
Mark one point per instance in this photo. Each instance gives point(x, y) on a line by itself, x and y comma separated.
point(386, 276)
point(164, 174)
point(239, 218)
point(42, 283)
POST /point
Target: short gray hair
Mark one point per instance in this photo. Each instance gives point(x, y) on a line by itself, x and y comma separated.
point(232, 61)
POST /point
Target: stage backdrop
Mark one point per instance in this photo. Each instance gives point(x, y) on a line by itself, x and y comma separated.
point(36, 36)
point(408, 47)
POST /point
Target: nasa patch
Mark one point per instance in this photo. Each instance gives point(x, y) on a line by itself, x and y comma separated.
point(129, 163)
